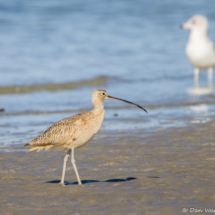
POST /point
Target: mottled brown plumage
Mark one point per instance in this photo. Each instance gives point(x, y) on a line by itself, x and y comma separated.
point(74, 131)
point(66, 133)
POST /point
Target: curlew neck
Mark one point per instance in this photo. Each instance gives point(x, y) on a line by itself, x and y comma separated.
point(97, 103)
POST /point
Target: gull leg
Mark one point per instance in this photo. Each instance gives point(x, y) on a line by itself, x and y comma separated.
point(196, 77)
point(64, 168)
point(210, 76)
point(74, 166)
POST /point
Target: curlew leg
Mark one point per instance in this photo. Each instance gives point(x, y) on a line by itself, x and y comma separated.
point(210, 76)
point(74, 166)
point(196, 77)
point(64, 168)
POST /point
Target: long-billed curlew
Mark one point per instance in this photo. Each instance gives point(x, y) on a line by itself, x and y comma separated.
point(74, 131)
point(200, 49)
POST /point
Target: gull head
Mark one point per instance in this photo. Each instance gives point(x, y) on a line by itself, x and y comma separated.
point(196, 23)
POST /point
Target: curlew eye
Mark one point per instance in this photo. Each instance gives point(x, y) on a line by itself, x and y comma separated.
point(103, 94)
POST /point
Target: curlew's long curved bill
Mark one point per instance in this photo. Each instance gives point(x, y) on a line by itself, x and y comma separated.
point(122, 100)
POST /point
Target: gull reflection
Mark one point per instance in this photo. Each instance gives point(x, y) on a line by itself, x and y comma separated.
point(199, 108)
point(201, 90)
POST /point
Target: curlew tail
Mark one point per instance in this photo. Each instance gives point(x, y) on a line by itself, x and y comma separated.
point(38, 147)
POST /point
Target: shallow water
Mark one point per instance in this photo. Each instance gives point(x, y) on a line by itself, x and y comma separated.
point(54, 54)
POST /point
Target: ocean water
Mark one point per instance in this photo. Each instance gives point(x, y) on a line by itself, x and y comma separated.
point(54, 53)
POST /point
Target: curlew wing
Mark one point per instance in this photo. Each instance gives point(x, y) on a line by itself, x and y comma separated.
point(60, 133)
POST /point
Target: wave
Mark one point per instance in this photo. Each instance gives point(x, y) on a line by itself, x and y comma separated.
point(16, 89)
point(113, 108)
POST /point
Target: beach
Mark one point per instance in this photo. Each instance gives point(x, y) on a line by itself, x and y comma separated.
point(158, 172)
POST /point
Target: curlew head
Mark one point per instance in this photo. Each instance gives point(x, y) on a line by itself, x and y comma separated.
point(100, 95)
point(196, 23)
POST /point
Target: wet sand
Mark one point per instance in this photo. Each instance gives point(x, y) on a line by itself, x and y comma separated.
point(159, 172)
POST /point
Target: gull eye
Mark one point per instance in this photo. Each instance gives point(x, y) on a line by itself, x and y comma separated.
point(193, 22)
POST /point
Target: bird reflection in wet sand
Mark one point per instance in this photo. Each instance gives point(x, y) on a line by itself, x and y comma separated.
point(75, 131)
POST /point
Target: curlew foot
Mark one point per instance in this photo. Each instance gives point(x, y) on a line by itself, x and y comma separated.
point(62, 184)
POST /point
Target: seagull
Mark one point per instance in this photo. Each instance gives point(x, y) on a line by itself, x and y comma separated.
point(200, 50)
point(75, 131)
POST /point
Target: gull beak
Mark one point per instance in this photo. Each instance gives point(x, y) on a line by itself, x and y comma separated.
point(122, 100)
point(185, 25)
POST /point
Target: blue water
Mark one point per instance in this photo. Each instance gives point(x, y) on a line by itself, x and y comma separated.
point(137, 45)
